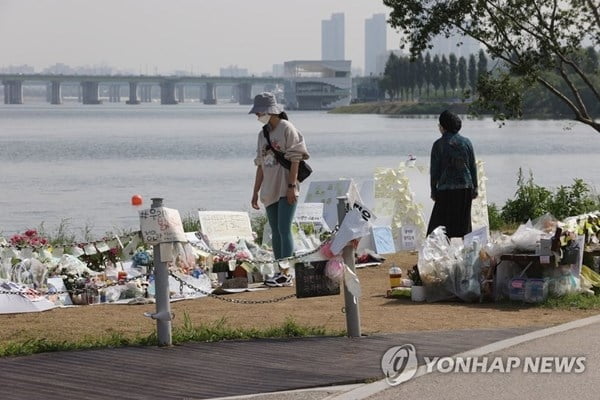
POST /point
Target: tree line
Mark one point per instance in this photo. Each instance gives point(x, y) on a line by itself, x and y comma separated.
point(406, 79)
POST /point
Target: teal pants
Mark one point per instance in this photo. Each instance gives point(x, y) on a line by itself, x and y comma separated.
point(280, 216)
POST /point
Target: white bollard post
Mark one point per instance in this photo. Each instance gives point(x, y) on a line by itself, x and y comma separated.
point(351, 302)
point(163, 314)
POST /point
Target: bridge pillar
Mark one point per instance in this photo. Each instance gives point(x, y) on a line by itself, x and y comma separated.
point(55, 93)
point(180, 93)
point(167, 92)
point(211, 93)
point(89, 93)
point(245, 93)
point(13, 92)
point(133, 99)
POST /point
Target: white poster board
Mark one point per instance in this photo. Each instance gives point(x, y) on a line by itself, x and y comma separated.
point(221, 227)
point(309, 213)
point(327, 192)
point(408, 237)
point(383, 240)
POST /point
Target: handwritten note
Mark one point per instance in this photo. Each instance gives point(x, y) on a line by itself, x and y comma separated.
point(409, 237)
point(222, 227)
point(161, 225)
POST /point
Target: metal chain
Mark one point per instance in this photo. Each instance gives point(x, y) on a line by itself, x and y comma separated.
point(230, 300)
point(262, 262)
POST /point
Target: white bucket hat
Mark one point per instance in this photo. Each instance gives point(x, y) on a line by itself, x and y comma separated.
point(265, 103)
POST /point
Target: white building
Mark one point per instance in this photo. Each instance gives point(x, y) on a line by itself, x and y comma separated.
point(332, 38)
point(375, 44)
point(317, 85)
point(233, 71)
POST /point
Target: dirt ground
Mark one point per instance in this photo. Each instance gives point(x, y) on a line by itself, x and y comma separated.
point(378, 314)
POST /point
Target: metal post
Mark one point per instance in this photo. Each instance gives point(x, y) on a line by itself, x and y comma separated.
point(163, 314)
point(351, 302)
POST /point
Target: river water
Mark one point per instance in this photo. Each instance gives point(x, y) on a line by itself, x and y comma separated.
point(82, 164)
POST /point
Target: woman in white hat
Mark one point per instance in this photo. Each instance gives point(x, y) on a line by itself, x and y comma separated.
point(277, 186)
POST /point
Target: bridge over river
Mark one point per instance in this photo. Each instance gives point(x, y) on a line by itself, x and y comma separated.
point(138, 87)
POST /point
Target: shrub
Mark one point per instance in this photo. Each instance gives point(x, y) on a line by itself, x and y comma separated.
point(494, 217)
point(573, 200)
point(531, 201)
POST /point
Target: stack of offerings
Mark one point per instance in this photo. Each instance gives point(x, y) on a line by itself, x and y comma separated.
point(399, 287)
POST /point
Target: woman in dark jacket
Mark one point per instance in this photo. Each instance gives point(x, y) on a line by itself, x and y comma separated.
point(453, 176)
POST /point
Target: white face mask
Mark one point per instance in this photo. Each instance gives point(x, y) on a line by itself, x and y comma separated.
point(264, 119)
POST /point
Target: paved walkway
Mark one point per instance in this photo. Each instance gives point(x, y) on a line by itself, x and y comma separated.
point(233, 368)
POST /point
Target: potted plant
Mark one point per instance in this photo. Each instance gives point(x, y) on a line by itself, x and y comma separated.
point(417, 291)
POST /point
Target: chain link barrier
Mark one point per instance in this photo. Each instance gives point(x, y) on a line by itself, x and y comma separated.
point(230, 300)
point(257, 263)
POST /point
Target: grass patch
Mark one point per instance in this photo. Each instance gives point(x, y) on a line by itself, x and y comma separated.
point(188, 332)
point(579, 301)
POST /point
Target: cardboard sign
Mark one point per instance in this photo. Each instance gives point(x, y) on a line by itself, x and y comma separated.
point(383, 239)
point(222, 227)
point(161, 225)
point(327, 192)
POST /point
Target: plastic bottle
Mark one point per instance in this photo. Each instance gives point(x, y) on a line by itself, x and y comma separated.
point(395, 276)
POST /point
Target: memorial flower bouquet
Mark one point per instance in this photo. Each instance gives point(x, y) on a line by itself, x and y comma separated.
point(30, 238)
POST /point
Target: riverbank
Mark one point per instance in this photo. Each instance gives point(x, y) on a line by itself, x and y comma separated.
point(401, 108)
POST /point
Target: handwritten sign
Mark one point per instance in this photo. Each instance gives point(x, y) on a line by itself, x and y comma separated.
point(222, 227)
point(161, 225)
point(309, 213)
point(409, 237)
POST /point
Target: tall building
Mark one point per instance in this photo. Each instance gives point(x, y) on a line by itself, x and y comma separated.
point(375, 44)
point(332, 37)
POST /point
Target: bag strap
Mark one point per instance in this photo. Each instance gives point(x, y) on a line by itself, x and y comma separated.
point(266, 129)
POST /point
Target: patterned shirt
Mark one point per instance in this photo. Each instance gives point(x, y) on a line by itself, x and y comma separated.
point(452, 164)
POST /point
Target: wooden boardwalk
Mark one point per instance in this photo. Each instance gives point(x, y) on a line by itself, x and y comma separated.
point(207, 370)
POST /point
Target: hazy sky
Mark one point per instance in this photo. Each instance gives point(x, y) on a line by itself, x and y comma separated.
point(177, 34)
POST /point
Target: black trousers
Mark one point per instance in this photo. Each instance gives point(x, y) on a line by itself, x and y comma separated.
point(452, 209)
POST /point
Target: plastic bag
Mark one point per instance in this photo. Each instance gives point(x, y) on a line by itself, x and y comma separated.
point(526, 237)
point(436, 263)
point(334, 269)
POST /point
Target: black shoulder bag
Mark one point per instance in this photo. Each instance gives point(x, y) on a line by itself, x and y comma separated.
point(304, 170)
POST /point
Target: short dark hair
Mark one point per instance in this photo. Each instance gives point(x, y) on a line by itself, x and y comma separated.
point(450, 122)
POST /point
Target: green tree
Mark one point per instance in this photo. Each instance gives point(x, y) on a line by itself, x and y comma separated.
point(462, 73)
point(389, 83)
point(472, 73)
point(419, 73)
point(444, 74)
point(482, 63)
point(528, 38)
point(434, 73)
point(427, 67)
point(453, 74)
